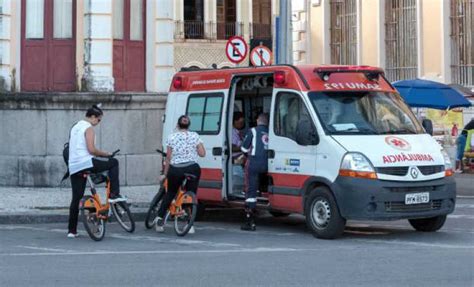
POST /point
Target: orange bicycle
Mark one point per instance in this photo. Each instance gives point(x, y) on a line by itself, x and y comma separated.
point(94, 214)
point(182, 210)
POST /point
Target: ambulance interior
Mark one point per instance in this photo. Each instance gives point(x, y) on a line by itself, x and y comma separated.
point(253, 96)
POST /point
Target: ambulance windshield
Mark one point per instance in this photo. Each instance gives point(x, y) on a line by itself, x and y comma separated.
point(348, 113)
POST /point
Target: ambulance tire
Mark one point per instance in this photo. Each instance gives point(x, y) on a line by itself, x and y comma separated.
point(428, 224)
point(322, 214)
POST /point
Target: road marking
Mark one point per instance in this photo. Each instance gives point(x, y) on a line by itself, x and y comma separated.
point(464, 205)
point(460, 216)
point(246, 250)
point(465, 196)
point(43, 248)
point(417, 244)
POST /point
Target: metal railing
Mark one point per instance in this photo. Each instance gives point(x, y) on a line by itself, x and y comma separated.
point(343, 41)
point(401, 39)
point(206, 30)
point(462, 50)
point(260, 31)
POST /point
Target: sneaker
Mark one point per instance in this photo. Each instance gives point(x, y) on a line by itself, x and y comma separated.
point(72, 235)
point(159, 225)
point(192, 230)
point(116, 198)
point(458, 171)
point(248, 226)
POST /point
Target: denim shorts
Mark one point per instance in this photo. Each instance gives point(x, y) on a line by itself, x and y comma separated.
point(461, 146)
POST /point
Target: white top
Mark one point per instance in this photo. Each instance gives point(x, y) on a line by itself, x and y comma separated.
point(184, 146)
point(79, 156)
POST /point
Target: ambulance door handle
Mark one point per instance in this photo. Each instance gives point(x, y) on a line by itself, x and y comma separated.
point(270, 153)
point(217, 151)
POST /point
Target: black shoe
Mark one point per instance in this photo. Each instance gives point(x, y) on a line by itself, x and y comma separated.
point(248, 226)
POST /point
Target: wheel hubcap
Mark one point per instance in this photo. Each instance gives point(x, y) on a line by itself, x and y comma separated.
point(321, 213)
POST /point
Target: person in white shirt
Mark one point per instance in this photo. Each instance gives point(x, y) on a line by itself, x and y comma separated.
point(182, 152)
point(84, 156)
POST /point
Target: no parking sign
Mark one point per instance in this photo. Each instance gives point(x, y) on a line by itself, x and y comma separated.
point(236, 49)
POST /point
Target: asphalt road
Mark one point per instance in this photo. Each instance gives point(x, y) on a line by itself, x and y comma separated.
point(280, 253)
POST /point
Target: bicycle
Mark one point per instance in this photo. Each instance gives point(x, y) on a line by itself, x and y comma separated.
point(182, 210)
point(94, 214)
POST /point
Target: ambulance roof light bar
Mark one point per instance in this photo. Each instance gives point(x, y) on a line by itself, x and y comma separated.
point(371, 73)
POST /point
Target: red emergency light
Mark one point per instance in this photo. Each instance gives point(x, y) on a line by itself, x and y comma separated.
point(279, 78)
point(178, 82)
point(371, 73)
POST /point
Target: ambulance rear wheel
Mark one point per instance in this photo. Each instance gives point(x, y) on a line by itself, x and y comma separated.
point(428, 224)
point(322, 214)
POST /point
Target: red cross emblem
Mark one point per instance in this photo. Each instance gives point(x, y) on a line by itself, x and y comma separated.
point(397, 143)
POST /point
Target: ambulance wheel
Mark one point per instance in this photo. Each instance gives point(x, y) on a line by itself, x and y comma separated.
point(279, 214)
point(322, 214)
point(428, 224)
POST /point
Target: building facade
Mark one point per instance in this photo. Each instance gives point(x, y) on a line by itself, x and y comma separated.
point(120, 45)
point(58, 57)
point(431, 39)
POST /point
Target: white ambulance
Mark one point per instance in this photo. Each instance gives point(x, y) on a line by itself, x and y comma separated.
point(343, 145)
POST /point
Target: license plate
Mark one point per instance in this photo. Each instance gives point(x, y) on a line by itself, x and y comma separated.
point(417, 198)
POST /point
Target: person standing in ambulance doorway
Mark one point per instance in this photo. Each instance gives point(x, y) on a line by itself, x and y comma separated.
point(255, 146)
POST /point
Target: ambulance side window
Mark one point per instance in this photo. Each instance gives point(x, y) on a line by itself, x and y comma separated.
point(205, 112)
point(290, 110)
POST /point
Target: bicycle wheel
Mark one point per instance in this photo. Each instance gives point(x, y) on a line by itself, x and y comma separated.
point(153, 209)
point(184, 220)
point(94, 226)
point(123, 215)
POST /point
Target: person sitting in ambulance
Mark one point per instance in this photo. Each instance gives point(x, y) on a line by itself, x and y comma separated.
point(238, 158)
point(255, 146)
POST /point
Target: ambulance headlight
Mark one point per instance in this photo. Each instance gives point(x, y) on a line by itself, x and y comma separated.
point(448, 166)
point(357, 165)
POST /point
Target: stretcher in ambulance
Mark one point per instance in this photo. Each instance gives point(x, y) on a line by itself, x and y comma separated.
point(343, 145)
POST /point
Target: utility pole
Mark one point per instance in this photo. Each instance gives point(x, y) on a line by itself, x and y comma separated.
point(285, 43)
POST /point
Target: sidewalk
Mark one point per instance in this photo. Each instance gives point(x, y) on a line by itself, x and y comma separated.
point(42, 205)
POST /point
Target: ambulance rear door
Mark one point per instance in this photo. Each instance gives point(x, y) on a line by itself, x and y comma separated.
point(205, 110)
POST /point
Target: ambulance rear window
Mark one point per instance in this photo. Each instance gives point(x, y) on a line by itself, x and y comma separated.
point(205, 111)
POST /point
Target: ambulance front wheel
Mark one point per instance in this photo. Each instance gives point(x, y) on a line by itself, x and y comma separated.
point(428, 224)
point(322, 214)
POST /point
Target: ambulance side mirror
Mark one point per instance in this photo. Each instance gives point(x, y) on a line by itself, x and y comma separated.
point(428, 126)
point(306, 133)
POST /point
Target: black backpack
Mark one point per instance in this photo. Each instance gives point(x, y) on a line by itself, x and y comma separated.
point(66, 160)
point(66, 155)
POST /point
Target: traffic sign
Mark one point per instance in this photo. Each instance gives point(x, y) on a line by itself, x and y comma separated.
point(236, 49)
point(261, 56)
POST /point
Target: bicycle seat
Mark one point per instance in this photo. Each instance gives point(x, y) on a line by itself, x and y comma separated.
point(99, 178)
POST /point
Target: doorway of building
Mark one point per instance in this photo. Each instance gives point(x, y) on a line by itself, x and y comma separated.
point(129, 45)
point(48, 45)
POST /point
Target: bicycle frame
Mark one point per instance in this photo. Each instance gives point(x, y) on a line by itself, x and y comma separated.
point(102, 210)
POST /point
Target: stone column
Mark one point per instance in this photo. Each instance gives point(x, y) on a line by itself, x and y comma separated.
point(98, 46)
point(6, 75)
point(163, 45)
point(300, 35)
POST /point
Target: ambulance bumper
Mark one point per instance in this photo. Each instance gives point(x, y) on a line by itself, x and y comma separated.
point(366, 199)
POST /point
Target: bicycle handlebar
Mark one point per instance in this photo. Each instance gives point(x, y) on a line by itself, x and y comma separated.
point(161, 152)
point(115, 153)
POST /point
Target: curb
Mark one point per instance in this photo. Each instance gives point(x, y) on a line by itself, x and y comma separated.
point(62, 216)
